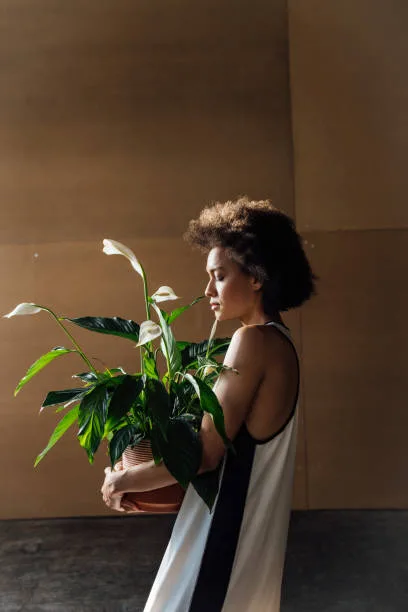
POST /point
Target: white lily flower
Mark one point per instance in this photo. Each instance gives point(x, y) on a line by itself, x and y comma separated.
point(25, 308)
point(112, 247)
point(149, 330)
point(209, 369)
point(163, 294)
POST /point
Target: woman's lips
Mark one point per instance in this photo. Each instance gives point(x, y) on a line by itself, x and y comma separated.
point(214, 306)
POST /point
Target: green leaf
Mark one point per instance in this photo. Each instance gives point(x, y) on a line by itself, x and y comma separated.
point(91, 377)
point(191, 351)
point(157, 404)
point(43, 361)
point(207, 485)
point(155, 438)
point(67, 420)
point(122, 399)
point(178, 311)
point(183, 344)
point(114, 326)
point(209, 370)
point(149, 365)
point(114, 371)
point(169, 344)
point(128, 435)
point(92, 418)
point(111, 382)
point(185, 400)
point(87, 377)
point(54, 398)
point(209, 403)
point(182, 451)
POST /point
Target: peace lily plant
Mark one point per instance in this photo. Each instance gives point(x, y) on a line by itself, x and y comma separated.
point(124, 408)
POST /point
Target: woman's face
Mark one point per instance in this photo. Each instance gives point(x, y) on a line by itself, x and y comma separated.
point(232, 293)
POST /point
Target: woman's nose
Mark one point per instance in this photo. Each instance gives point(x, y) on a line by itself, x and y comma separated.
point(210, 289)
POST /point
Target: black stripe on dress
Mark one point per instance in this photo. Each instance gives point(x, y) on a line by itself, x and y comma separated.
point(218, 557)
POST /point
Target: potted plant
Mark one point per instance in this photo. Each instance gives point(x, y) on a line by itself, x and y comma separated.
point(156, 410)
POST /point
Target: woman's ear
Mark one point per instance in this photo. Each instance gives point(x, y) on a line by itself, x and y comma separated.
point(256, 284)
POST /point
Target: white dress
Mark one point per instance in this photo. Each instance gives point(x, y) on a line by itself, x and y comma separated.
point(231, 560)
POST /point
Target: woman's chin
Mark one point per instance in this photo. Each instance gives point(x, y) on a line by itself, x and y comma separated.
point(221, 316)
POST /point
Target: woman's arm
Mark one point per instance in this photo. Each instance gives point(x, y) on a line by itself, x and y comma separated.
point(235, 393)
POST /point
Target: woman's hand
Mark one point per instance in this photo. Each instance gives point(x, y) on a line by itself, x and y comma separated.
point(144, 477)
point(111, 492)
point(113, 496)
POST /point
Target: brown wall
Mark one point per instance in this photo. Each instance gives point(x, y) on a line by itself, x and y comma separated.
point(122, 120)
point(349, 91)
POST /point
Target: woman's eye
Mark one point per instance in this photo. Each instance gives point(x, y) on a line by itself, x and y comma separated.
point(219, 278)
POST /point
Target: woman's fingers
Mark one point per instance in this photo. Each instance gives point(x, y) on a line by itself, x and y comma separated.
point(113, 500)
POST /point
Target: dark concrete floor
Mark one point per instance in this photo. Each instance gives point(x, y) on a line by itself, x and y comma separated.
point(337, 561)
point(347, 561)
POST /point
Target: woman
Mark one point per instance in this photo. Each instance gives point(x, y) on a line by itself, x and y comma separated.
point(231, 560)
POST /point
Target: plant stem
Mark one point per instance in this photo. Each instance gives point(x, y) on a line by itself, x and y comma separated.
point(146, 294)
point(141, 361)
point(147, 305)
point(211, 338)
point(74, 342)
point(167, 358)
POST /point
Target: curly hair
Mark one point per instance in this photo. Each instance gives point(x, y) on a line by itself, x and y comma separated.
point(263, 241)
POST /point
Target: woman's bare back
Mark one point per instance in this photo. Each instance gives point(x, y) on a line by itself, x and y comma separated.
point(278, 390)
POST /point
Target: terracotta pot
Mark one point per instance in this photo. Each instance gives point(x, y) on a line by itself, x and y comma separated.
point(164, 500)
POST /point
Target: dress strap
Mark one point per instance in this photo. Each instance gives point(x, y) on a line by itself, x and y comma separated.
point(282, 328)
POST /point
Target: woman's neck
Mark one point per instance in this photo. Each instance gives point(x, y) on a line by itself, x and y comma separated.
point(261, 318)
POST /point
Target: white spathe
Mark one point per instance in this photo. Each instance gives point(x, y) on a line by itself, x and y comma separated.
point(209, 369)
point(164, 294)
point(149, 330)
point(25, 308)
point(112, 247)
